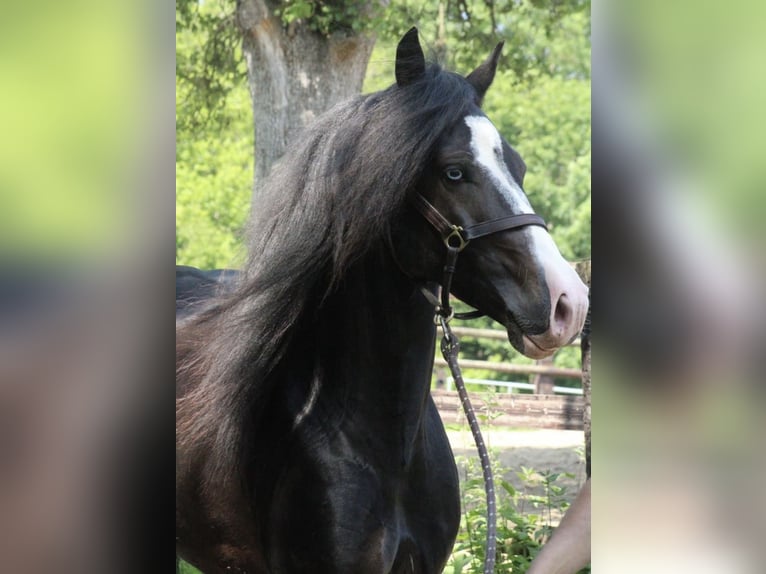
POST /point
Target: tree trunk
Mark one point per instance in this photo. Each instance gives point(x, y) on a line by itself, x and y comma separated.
point(295, 74)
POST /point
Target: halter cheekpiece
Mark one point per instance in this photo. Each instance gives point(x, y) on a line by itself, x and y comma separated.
point(456, 238)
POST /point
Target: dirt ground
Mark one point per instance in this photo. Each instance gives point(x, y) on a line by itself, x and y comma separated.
point(539, 449)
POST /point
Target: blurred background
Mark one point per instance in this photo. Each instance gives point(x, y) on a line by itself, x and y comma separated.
point(679, 328)
point(86, 278)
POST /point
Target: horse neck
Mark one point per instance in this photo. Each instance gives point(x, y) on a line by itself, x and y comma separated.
point(372, 344)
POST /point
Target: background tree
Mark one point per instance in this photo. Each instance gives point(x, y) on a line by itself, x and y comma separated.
point(299, 57)
point(302, 58)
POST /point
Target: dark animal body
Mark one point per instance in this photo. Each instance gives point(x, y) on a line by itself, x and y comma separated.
point(307, 437)
point(195, 287)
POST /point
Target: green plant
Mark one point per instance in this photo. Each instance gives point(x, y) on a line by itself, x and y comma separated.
point(184, 568)
point(525, 517)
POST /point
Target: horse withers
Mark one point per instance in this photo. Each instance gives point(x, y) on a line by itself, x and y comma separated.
point(307, 437)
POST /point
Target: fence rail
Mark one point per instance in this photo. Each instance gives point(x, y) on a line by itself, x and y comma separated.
point(509, 386)
point(514, 369)
point(564, 412)
point(541, 410)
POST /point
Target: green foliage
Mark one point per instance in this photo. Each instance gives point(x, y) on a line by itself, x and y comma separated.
point(542, 37)
point(213, 188)
point(329, 17)
point(185, 568)
point(214, 136)
point(525, 517)
point(209, 63)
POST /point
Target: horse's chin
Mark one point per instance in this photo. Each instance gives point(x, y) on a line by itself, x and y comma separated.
point(526, 346)
point(533, 351)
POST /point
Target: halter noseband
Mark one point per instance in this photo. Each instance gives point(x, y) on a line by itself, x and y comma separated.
point(456, 238)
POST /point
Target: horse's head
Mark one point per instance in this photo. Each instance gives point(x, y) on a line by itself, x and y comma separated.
point(515, 275)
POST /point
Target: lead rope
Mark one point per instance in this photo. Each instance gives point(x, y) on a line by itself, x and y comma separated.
point(456, 238)
point(450, 346)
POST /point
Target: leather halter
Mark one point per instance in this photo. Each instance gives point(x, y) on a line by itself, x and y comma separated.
point(467, 233)
point(457, 237)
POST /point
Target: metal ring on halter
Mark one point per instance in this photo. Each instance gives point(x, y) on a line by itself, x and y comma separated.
point(439, 317)
point(457, 232)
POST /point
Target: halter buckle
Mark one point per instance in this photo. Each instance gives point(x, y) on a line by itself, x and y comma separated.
point(456, 232)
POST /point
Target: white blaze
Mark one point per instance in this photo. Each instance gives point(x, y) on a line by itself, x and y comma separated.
point(563, 282)
point(487, 148)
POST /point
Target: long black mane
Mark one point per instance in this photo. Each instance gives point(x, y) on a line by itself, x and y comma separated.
point(330, 200)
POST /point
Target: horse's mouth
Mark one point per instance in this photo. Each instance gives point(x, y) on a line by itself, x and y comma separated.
point(533, 350)
point(525, 344)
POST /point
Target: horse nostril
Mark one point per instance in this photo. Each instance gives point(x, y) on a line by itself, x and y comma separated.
point(563, 313)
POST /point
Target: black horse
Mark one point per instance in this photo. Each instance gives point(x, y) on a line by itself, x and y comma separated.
point(307, 437)
point(194, 287)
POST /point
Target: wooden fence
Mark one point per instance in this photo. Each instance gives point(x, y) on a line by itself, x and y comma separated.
point(514, 369)
point(540, 410)
point(515, 410)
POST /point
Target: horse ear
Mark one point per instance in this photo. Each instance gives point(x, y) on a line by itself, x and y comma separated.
point(410, 61)
point(481, 78)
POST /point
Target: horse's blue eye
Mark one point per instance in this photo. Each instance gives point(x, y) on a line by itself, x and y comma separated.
point(454, 174)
